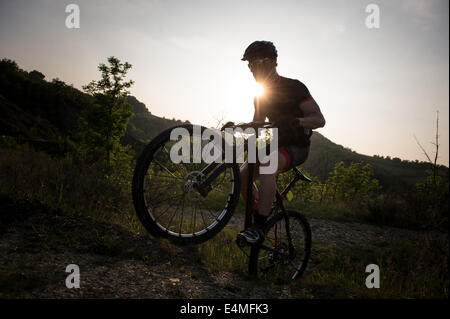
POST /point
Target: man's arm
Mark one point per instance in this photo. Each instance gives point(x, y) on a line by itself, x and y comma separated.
point(312, 116)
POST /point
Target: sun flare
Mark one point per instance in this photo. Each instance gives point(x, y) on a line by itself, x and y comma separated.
point(239, 96)
point(259, 89)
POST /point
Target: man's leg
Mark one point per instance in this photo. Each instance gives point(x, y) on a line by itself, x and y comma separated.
point(244, 183)
point(267, 187)
point(267, 191)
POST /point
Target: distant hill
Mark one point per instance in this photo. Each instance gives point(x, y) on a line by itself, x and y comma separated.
point(34, 109)
point(392, 172)
point(144, 126)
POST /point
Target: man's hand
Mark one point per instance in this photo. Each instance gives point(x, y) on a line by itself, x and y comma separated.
point(227, 124)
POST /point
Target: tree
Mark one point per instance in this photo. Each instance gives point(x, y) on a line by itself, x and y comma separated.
point(431, 199)
point(436, 144)
point(105, 121)
point(36, 75)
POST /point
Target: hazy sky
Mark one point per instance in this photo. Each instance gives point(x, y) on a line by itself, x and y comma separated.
point(376, 87)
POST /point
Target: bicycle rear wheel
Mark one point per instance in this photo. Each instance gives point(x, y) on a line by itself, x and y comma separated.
point(279, 258)
point(166, 195)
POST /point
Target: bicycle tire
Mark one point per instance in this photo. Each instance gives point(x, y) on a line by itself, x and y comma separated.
point(147, 214)
point(276, 264)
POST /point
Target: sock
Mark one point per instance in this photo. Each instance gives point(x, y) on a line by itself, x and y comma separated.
point(260, 220)
point(255, 205)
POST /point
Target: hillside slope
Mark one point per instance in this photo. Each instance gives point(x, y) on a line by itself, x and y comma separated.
point(35, 109)
point(392, 173)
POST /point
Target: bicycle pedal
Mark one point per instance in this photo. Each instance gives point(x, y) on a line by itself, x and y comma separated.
point(241, 242)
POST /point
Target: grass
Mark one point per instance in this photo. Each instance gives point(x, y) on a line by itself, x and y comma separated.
point(408, 269)
point(60, 183)
point(336, 212)
point(19, 278)
point(222, 254)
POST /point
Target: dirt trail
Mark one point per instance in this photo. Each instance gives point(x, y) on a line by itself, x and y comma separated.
point(342, 234)
point(37, 243)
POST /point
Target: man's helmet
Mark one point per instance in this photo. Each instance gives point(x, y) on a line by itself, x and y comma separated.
point(260, 49)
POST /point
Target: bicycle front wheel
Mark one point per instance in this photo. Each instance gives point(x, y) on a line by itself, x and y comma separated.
point(284, 254)
point(172, 200)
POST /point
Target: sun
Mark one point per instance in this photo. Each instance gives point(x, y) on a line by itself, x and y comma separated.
point(239, 93)
point(258, 89)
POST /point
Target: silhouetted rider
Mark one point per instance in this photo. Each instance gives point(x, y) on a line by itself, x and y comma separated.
point(289, 104)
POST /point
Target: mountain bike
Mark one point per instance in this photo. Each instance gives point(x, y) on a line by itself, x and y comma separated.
point(189, 202)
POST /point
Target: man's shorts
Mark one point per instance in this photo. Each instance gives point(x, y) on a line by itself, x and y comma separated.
point(295, 155)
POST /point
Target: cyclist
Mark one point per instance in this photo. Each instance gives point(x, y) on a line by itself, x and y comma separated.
point(288, 103)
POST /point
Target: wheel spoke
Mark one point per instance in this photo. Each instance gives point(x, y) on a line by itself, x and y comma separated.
point(164, 168)
point(174, 214)
point(212, 214)
point(165, 176)
point(168, 208)
point(182, 214)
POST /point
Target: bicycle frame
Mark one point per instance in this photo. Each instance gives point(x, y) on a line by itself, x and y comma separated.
point(212, 170)
point(217, 168)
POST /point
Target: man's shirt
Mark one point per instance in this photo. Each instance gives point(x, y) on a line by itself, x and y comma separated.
point(281, 103)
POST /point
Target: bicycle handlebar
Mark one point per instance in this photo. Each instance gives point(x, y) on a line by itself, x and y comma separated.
point(254, 125)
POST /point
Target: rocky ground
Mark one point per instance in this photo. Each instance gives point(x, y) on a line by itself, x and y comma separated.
point(37, 243)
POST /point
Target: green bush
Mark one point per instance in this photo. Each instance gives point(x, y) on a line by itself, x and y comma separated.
point(354, 184)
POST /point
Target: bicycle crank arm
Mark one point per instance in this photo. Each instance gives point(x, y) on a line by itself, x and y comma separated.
point(291, 254)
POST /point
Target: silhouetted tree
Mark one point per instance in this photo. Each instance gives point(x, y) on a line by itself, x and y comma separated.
point(36, 75)
point(436, 144)
point(105, 121)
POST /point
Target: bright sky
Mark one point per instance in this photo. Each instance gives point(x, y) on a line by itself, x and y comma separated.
point(377, 88)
